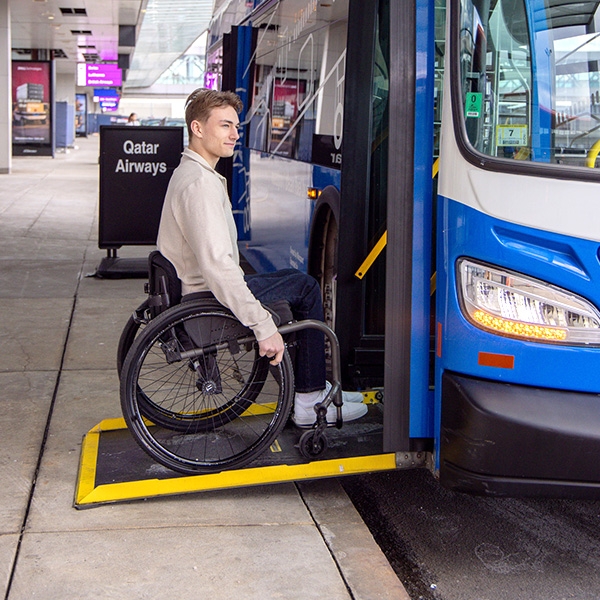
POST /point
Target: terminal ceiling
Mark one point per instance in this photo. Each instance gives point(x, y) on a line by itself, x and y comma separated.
point(88, 31)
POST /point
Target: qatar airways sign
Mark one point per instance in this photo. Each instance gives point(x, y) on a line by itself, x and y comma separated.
point(136, 164)
point(105, 74)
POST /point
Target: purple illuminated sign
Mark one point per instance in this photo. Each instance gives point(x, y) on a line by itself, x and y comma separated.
point(106, 74)
point(105, 94)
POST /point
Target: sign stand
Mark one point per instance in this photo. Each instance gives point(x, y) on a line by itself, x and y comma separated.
point(113, 267)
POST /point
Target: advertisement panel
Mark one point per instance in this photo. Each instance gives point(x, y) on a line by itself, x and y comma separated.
point(81, 115)
point(136, 164)
point(32, 108)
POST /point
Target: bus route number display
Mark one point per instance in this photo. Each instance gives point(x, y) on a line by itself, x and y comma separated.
point(511, 135)
point(136, 164)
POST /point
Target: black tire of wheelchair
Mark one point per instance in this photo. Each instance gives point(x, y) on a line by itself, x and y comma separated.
point(312, 444)
point(211, 419)
point(128, 336)
point(139, 429)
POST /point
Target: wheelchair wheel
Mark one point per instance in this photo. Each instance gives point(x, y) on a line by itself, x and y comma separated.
point(196, 395)
point(170, 414)
point(128, 335)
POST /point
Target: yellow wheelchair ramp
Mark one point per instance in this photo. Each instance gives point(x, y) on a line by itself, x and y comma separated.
point(113, 468)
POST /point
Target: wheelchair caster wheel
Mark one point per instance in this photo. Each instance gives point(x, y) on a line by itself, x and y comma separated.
point(312, 444)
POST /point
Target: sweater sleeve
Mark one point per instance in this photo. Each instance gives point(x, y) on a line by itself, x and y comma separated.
point(200, 214)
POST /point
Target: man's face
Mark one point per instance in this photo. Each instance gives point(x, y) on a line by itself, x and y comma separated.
point(216, 137)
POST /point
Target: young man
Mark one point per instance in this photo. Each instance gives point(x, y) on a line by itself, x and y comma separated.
point(197, 234)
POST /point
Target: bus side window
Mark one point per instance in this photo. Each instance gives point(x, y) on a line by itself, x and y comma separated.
point(496, 77)
point(297, 104)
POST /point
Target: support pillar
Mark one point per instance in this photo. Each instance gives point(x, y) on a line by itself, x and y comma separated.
point(6, 85)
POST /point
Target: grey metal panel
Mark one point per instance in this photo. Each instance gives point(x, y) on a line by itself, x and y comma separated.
point(399, 220)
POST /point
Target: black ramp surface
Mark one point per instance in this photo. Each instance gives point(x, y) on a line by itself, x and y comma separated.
point(120, 459)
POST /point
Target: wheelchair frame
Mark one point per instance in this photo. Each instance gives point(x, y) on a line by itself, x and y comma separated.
point(143, 416)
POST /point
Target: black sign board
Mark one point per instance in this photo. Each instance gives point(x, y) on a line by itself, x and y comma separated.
point(325, 153)
point(136, 164)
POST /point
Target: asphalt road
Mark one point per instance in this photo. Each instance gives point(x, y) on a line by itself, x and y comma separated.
point(450, 546)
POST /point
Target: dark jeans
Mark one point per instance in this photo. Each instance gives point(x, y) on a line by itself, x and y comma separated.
point(304, 296)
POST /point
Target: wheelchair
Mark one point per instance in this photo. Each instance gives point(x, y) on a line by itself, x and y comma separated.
point(195, 393)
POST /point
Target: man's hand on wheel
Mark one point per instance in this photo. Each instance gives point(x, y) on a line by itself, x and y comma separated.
point(273, 348)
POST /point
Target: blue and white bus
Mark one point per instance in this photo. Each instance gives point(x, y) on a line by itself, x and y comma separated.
point(433, 165)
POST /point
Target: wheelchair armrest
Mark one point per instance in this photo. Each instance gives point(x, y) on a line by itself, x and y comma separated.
point(281, 312)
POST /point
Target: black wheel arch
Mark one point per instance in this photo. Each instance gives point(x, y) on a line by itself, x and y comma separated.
point(328, 203)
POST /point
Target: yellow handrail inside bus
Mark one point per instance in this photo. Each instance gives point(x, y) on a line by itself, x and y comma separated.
point(592, 155)
point(366, 265)
point(380, 245)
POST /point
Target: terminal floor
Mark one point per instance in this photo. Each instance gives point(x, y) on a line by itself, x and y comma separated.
point(59, 332)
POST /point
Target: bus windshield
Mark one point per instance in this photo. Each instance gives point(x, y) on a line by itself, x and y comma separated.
point(529, 72)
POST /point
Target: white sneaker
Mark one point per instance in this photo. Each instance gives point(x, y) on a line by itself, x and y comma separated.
point(305, 415)
point(351, 397)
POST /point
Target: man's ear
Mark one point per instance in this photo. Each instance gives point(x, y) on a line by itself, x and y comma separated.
point(196, 128)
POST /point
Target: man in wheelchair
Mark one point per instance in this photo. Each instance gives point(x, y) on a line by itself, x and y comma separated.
point(197, 234)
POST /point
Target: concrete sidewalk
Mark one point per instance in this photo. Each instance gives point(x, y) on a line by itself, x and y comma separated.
point(59, 333)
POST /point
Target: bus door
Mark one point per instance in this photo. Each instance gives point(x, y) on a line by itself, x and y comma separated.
point(386, 202)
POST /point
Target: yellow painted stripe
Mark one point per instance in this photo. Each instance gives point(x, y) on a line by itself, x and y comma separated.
point(110, 425)
point(260, 409)
point(86, 480)
point(241, 478)
point(436, 167)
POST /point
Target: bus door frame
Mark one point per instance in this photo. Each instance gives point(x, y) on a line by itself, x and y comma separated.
point(406, 368)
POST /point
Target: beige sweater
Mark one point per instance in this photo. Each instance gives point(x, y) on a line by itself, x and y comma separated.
point(197, 234)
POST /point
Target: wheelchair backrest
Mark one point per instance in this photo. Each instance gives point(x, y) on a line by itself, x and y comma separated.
point(164, 286)
point(164, 291)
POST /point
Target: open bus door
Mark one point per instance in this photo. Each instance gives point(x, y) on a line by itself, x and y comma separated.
point(388, 191)
point(386, 149)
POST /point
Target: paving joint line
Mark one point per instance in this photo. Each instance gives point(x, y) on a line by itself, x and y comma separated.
point(45, 436)
point(327, 545)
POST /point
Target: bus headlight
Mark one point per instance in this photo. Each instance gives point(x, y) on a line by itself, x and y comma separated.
point(517, 306)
